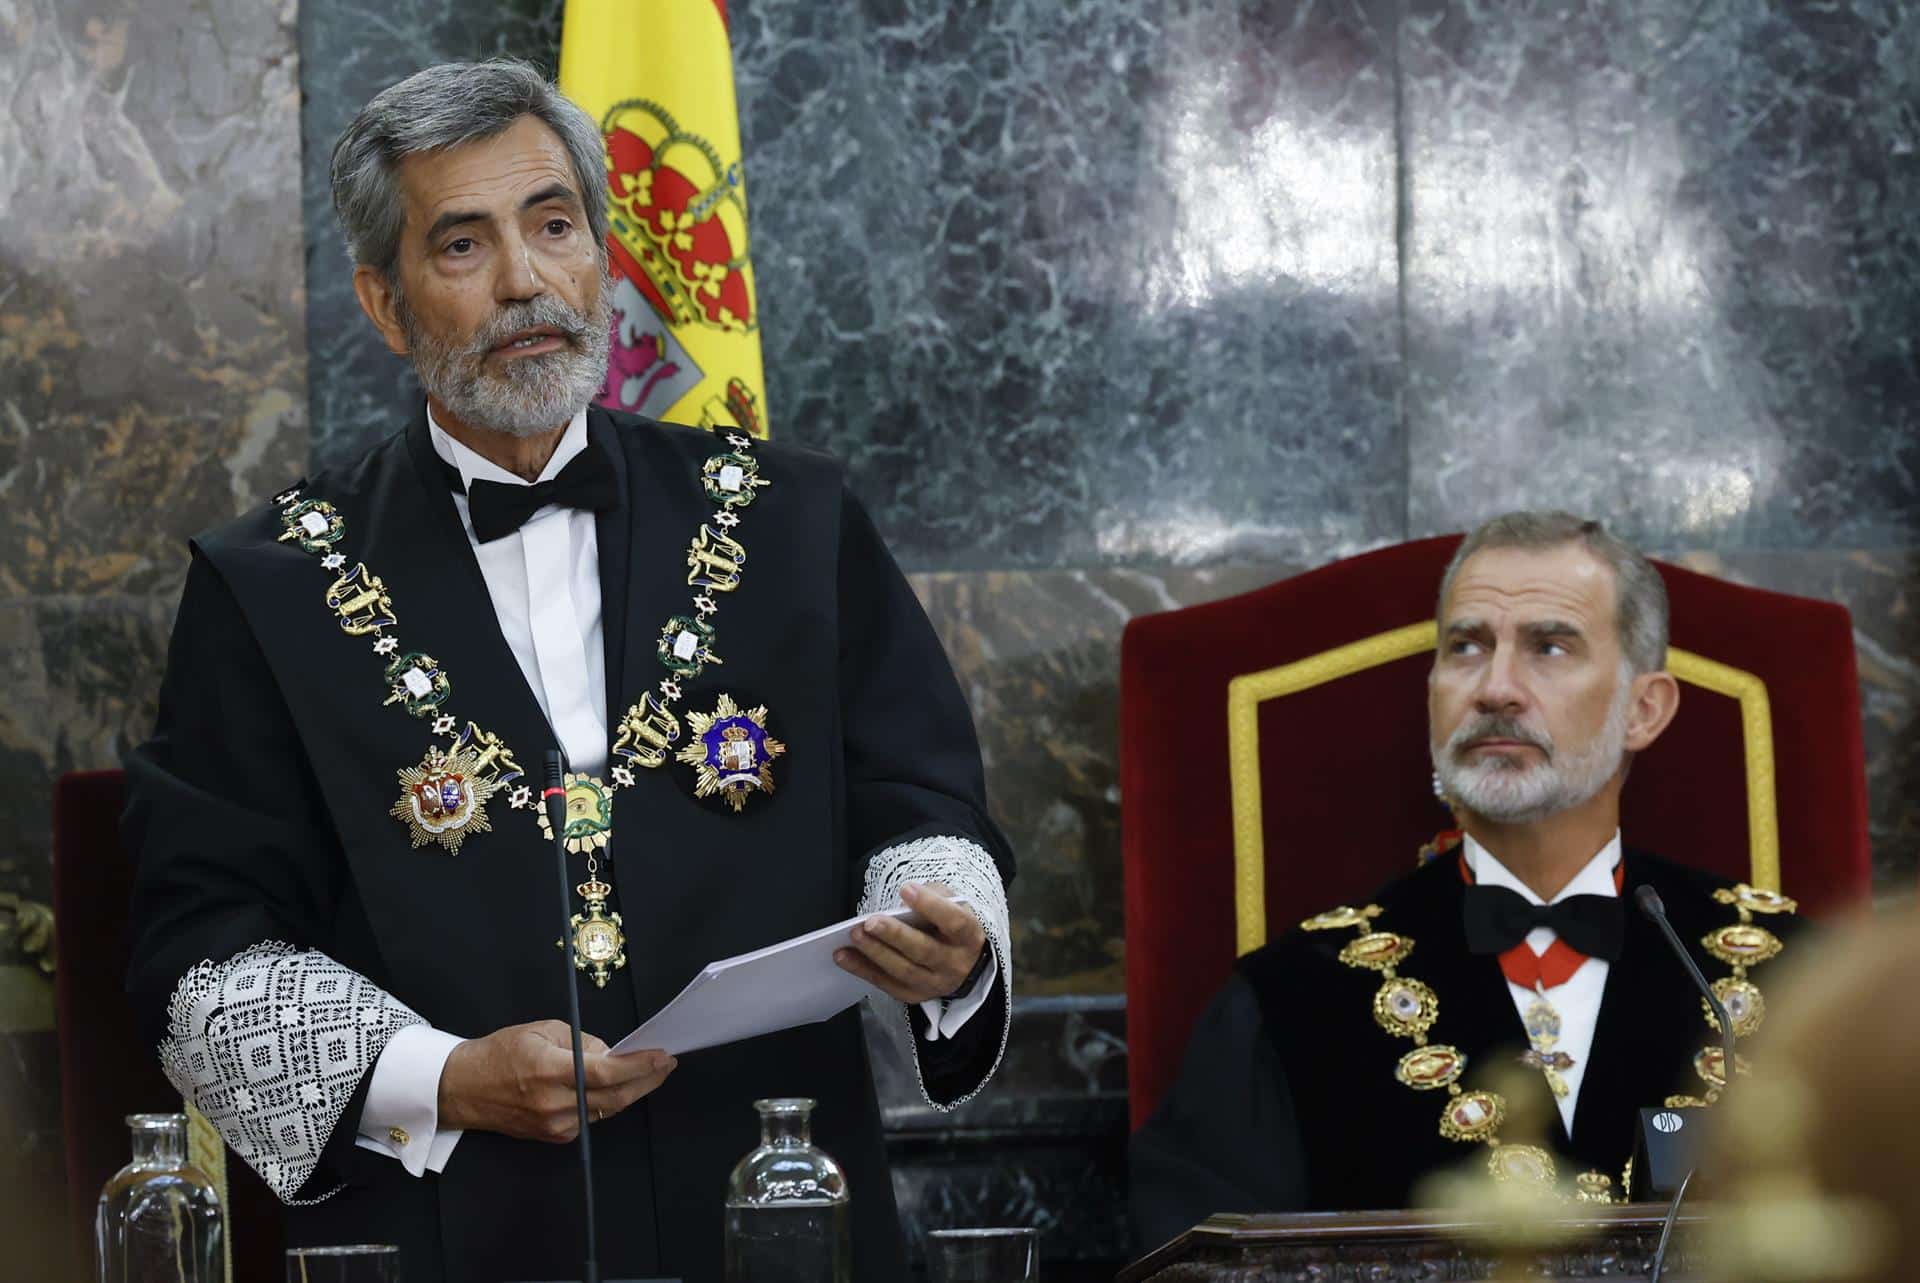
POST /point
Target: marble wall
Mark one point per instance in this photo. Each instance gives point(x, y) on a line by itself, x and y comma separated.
point(152, 382)
point(1111, 306)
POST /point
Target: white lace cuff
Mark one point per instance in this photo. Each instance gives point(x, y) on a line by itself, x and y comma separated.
point(967, 869)
point(270, 1045)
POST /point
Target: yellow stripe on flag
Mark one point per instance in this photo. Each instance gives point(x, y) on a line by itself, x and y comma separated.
point(658, 77)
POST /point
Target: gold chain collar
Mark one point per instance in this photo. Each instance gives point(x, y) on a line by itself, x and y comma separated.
point(444, 798)
point(1408, 1008)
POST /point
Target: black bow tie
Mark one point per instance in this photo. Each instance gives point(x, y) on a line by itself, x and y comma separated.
point(498, 509)
point(1498, 919)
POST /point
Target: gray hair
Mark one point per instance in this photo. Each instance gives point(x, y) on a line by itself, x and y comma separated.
point(1640, 597)
point(447, 106)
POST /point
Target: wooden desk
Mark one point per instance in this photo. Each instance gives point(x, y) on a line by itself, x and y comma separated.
point(1613, 1244)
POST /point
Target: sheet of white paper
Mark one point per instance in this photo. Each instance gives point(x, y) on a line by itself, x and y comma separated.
point(795, 982)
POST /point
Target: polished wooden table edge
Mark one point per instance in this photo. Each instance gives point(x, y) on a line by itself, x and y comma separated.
point(1235, 1229)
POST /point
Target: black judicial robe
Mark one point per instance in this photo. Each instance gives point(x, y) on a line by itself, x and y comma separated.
point(1287, 1101)
point(259, 812)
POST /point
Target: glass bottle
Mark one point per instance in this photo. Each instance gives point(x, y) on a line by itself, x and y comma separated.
point(787, 1205)
point(159, 1220)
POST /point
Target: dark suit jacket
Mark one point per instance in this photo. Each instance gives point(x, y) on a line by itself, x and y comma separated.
point(259, 811)
point(1287, 1099)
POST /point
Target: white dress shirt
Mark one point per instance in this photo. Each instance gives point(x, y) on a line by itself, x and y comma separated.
point(1578, 1000)
point(556, 638)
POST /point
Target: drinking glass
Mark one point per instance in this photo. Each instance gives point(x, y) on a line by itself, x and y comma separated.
point(1008, 1255)
point(355, 1263)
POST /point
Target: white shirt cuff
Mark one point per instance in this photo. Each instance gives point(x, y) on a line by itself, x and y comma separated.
point(946, 1017)
point(402, 1114)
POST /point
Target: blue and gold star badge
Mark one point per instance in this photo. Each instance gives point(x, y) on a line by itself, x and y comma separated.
point(731, 752)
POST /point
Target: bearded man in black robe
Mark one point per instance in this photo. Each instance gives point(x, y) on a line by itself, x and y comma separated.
point(344, 928)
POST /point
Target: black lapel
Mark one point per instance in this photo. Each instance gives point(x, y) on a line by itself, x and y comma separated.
point(664, 505)
point(613, 532)
point(452, 614)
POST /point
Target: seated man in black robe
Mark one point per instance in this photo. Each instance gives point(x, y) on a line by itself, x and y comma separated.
point(1341, 1063)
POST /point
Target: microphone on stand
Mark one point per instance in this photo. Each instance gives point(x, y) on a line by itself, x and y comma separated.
point(554, 798)
point(1666, 1150)
point(1651, 905)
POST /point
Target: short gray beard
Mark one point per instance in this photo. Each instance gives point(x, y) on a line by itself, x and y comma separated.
point(527, 396)
point(1499, 790)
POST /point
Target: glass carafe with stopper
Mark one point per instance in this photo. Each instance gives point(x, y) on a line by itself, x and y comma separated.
point(788, 1205)
point(159, 1218)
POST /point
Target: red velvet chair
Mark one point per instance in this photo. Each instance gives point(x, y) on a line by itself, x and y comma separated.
point(106, 1071)
point(1315, 786)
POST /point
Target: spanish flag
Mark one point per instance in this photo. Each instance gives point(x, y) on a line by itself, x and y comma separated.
point(658, 76)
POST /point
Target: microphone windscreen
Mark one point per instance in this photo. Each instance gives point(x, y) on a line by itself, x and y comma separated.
point(1649, 901)
point(556, 769)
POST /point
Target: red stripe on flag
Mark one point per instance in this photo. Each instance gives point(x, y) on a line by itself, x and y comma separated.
point(721, 5)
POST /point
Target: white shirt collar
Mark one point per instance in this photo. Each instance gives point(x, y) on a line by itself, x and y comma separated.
point(1596, 878)
point(474, 466)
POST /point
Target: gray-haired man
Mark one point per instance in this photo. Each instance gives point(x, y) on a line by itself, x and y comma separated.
point(345, 928)
point(1378, 1043)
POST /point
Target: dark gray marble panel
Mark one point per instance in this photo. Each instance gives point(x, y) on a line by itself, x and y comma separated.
point(1072, 283)
point(1063, 284)
point(1662, 266)
point(1070, 1188)
point(152, 347)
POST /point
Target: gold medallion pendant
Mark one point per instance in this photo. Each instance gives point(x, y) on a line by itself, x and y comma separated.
point(1542, 1024)
point(731, 752)
point(1377, 951)
point(444, 798)
point(1405, 1007)
point(1473, 1115)
point(1745, 1005)
point(599, 937)
point(589, 815)
point(1431, 1066)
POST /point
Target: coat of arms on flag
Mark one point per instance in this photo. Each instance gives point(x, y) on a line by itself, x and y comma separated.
point(658, 76)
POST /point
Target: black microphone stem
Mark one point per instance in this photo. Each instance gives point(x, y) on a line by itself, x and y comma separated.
point(1650, 904)
point(555, 800)
point(1666, 1230)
